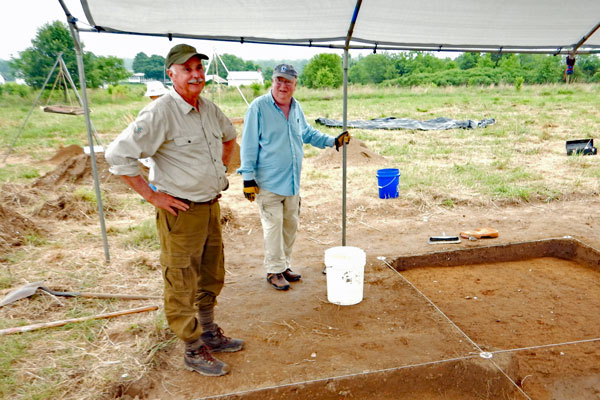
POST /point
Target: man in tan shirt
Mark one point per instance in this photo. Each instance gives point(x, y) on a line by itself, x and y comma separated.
point(189, 141)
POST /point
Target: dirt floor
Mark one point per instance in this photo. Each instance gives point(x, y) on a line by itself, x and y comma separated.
point(394, 343)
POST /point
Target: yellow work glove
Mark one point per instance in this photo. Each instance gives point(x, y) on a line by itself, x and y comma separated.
point(250, 189)
point(342, 138)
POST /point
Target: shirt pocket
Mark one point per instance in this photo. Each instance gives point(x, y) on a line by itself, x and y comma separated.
point(190, 149)
point(187, 141)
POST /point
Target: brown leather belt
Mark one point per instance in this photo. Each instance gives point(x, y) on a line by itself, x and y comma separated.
point(209, 202)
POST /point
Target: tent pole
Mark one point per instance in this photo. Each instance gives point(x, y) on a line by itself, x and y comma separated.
point(237, 87)
point(344, 127)
point(345, 114)
point(585, 38)
point(88, 126)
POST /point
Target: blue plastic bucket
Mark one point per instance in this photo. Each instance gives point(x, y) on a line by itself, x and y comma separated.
point(388, 180)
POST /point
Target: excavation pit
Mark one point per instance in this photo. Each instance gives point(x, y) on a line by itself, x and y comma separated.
point(513, 321)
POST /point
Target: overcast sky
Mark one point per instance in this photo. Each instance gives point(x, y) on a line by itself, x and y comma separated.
point(20, 20)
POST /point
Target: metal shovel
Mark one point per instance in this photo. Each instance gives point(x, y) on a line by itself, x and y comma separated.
point(29, 289)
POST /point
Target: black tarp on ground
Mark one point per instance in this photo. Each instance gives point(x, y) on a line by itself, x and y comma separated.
point(439, 123)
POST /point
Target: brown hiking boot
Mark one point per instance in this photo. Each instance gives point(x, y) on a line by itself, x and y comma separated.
point(218, 342)
point(291, 276)
point(278, 281)
point(198, 358)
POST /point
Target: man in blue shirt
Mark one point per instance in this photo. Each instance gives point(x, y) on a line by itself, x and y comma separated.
point(275, 130)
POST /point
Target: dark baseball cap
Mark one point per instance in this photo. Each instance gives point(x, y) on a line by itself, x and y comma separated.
point(285, 71)
point(181, 53)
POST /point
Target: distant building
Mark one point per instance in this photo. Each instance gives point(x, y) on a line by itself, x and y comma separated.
point(138, 77)
point(20, 81)
point(238, 78)
point(2, 81)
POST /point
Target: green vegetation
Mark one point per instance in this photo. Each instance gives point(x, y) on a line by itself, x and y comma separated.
point(18, 173)
point(143, 235)
point(322, 71)
point(36, 62)
point(472, 69)
point(153, 67)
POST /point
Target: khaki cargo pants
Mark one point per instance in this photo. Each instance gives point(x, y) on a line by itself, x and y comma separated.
point(279, 216)
point(193, 265)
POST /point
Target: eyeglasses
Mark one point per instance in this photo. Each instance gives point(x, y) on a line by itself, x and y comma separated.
point(283, 81)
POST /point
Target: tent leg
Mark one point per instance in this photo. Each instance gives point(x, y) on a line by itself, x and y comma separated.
point(344, 127)
point(88, 125)
point(31, 110)
point(345, 115)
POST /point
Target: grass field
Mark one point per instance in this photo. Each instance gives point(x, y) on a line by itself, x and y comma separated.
point(520, 158)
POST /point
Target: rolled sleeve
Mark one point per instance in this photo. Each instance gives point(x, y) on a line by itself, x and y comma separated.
point(121, 154)
point(140, 139)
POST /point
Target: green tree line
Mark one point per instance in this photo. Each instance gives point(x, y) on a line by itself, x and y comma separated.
point(422, 68)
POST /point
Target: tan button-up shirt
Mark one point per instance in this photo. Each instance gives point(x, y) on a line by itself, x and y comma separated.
point(184, 145)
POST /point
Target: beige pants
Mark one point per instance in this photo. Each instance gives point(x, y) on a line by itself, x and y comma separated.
point(193, 265)
point(279, 216)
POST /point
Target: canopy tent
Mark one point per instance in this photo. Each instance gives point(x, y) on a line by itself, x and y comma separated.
point(548, 26)
point(510, 26)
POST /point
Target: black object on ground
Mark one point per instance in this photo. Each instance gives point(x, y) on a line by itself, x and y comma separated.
point(443, 239)
point(581, 147)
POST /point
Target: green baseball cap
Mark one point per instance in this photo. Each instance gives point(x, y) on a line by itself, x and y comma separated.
point(181, 53)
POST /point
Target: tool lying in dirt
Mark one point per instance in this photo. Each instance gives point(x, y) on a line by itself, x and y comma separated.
point(443, 239)
point(29, 289)
point(481, 233)
point(33, 327)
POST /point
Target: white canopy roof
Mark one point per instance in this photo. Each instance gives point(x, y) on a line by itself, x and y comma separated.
point(548, 26)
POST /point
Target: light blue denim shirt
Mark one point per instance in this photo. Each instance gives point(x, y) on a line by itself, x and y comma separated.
point(272, 146)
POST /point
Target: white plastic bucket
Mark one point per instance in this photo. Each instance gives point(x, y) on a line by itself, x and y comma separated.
point(345, 274)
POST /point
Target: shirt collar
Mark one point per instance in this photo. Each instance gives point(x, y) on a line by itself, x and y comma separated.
point(275, 104)
point(183, 105)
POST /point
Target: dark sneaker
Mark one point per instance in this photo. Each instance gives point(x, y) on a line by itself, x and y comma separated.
point(200, 360)
point(218, 342)
point(278, 281)
point(291, 276)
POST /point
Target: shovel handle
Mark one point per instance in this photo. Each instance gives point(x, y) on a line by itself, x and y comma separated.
point(27, 328)
point(116, 296)
point(101, 295)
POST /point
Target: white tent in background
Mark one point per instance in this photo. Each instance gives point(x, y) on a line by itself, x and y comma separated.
point(510, 26)
point(239, 78)
point(2, 81)
point(138, 77)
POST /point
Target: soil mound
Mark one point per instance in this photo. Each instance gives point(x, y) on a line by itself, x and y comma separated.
point(13, 228)
point(77, 169)
point(15, 195)
point(357, 153)
point(66, 153)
